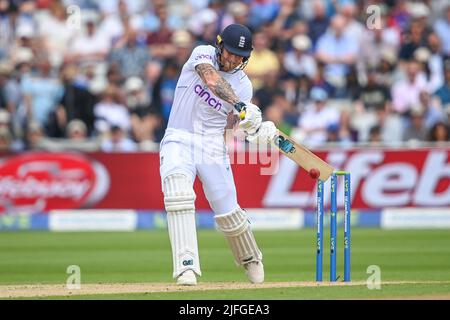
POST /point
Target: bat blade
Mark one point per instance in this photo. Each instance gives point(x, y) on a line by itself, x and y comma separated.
point(302, 156)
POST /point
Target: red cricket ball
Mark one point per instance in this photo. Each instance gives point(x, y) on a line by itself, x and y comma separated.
point(314, 173)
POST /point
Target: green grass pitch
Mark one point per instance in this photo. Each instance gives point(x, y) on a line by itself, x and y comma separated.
point(413, 263)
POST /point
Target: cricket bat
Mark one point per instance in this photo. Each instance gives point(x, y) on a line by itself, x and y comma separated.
point(302, 156)
point(298, 153)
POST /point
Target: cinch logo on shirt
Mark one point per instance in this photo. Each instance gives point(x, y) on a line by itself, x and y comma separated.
point(203, 56)
point(205, 95)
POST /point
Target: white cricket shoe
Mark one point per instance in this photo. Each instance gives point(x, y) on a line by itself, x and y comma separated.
point(255, 271)
point(187, 278)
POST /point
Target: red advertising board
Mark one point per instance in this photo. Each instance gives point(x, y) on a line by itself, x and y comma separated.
point(380, 178)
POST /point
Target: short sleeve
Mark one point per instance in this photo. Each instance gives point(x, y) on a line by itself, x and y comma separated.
point(200, 55)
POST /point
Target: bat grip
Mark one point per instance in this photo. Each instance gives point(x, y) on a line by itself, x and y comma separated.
point(240, 107)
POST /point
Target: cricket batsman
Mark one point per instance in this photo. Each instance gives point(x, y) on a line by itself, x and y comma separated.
point(211, 88)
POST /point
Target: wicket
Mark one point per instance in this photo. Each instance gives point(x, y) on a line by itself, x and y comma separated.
point(333, 226)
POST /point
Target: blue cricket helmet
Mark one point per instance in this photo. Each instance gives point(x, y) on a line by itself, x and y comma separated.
point(237, 39)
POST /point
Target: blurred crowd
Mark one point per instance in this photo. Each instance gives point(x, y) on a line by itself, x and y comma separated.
point(101, 74)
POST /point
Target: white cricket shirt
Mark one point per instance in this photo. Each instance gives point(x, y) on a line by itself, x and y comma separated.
point(195, 108)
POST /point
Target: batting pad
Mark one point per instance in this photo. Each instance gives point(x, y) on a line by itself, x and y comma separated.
point(236, 228)
point(179, 198)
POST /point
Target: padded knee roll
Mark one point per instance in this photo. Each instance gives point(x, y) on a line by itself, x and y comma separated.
point(179, 200)
point(236, 228)
point(179, 196)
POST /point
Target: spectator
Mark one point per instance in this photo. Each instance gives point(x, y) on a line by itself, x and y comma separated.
point(320, 80)
point(150, 21)
point(145, 122)
point(76, 131)
point(13, 95)
point(433, 111)
point(5, 125)
point(416, 129)
point(265, 95)
point(376, 44)
point(443, 93)
point(299, 62)
point(183, 43)
point(399, 15)
point(42, 93)
point(337, 50)
point(130, 58)
point(55, 33)
point(77, 138)
point(164, 90)
point(34, 136)
point(276, 115)
point(152, 74)
point(442, 28)
point(284, 23)
point(440, 132)
point(405, 92)
point(392, 127)
point(353, 27)
point(342, 133)
point(117, 141)
point(5, 139)
point(159, 40)
point(318, 25)
point(290, 86)
point(114, 7)
point(136, 97)
point(5, 71)
point(262, 61)
point(387, 68)
point(76, 103)
point(375, 136)
point(373, 95)
point(239, 12)
point(25, 46)
point(90, 46)
point(303, 89)
point(432, 61)
point(317, 118)
point(110, 112)
point(413, 39)
point(113, 26)
point(262, 11)
point(7, 26)
point(147, 130)
point(224, 18)
point(25, 15)
point(333, 134)
point(347, 133)
point(203, 25)
point(113, 76)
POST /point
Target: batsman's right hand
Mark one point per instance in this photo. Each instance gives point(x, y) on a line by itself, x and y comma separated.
point(252, 119)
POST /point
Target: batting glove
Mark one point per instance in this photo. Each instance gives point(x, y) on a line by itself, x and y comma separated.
point(253, 118)
point(266, 133)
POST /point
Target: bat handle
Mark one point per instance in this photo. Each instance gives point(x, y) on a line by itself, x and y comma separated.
point(240, 107)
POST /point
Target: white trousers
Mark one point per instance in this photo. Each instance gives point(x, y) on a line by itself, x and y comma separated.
point(203, 156)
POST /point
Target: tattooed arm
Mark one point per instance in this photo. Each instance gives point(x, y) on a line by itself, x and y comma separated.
point(216, 83)
point(222, 89)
